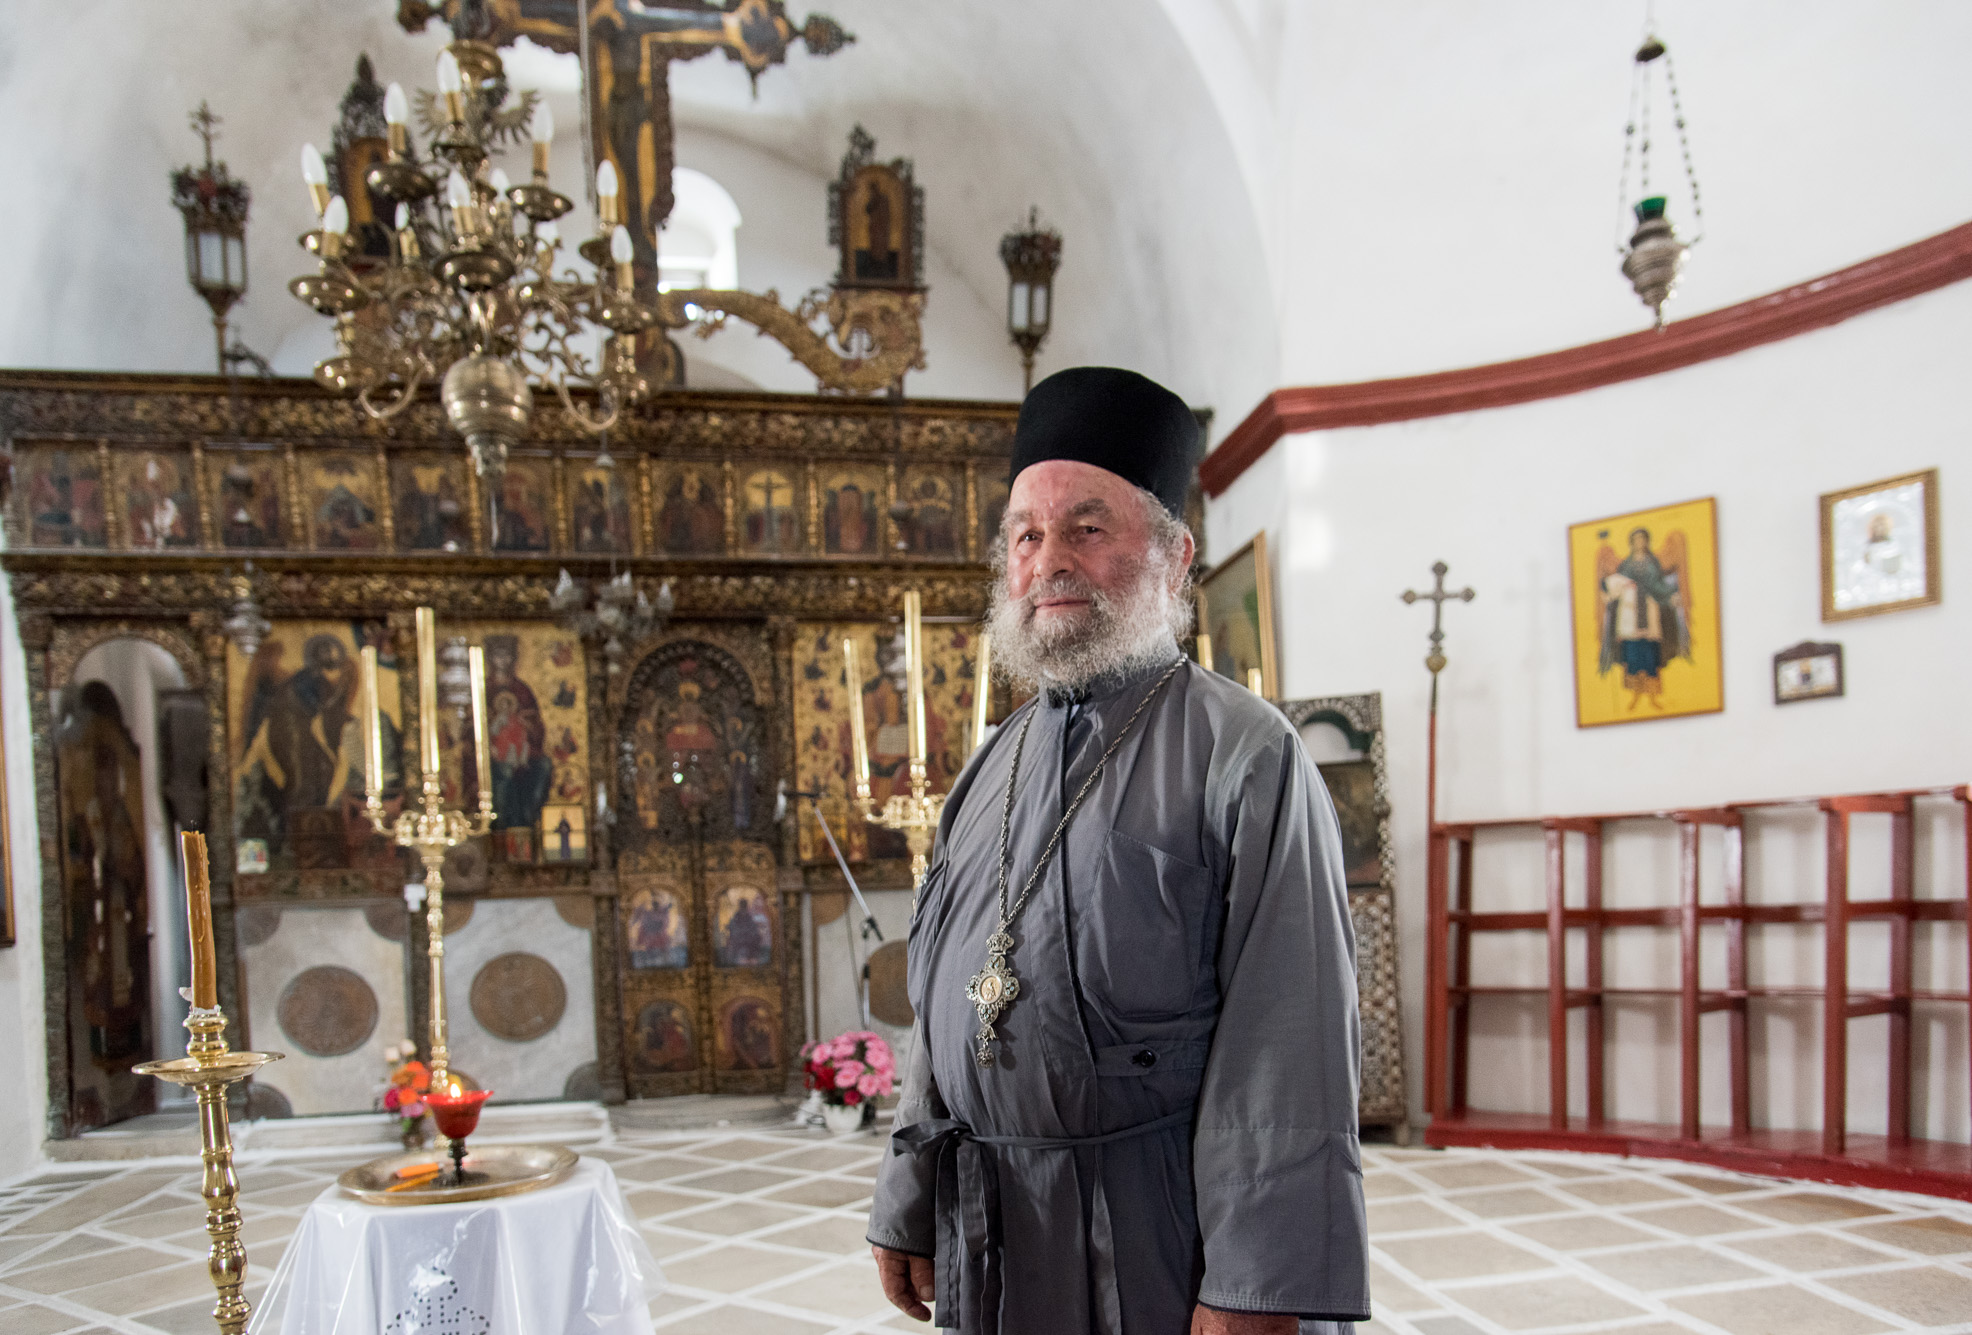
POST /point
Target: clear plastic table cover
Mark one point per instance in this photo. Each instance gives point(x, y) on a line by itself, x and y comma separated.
point(564, 1260)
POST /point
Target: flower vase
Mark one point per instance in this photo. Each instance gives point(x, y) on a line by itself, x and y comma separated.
point(842, 1121)
point(415, 1133)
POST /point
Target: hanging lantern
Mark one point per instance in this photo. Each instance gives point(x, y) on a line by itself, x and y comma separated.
point(1654, 255)
point(215, 208)
point(1031, 258)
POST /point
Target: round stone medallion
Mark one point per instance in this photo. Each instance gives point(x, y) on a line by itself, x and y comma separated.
point(518, 996)
point(890, 999)
point(327, 1011)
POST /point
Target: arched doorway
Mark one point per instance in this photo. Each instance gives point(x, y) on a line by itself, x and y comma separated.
point(704, 964)
point(129, 748)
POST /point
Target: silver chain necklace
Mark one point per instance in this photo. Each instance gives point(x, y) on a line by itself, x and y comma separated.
point(994, 987)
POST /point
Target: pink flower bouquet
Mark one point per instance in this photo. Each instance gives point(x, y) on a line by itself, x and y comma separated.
point(850, 1069)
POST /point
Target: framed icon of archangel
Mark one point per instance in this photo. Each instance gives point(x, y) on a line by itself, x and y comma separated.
point(1645, 594)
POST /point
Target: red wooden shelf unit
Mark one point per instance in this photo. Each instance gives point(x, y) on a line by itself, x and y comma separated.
point(1830, 1154)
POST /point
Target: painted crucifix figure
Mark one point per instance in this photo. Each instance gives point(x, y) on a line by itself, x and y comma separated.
point(630, 45)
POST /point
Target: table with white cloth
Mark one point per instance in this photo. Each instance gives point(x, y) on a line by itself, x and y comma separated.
point(562, 1260)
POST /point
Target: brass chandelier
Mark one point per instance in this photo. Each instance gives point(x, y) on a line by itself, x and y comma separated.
point(468, 296)
point(483, 314)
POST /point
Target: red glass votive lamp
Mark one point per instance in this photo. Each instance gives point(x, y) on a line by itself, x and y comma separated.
point(457, 1114)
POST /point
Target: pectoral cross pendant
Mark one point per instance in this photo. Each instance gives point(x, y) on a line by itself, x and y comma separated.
point(992, 990)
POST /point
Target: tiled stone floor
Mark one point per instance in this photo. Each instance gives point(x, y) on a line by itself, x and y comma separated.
point(761, 1233)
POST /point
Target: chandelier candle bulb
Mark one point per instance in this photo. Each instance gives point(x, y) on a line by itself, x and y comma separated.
point(452, 87)
point(372, 726)
point(427, 691)
point(458, 197)
point(914, 668)
point(407, 236)
point(482, 752)
point(396, 114)
point(622, 252)
point(606, 195)
point(315, 173)
point(542, 130)
point(859, 744)
point(335, 227)
point(198, 912)
point(982, 690)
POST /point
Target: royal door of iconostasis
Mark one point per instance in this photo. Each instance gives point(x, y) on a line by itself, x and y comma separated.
point(705, 957)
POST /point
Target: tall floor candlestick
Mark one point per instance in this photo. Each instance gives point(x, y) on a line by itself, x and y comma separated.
point(431, 829)
point(207, 1068)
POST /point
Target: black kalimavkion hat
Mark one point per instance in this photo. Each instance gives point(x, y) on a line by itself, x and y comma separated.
point(1115, 419)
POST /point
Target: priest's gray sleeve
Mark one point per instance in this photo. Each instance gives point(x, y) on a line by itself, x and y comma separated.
point(1276, 1161)
point(902, 1215)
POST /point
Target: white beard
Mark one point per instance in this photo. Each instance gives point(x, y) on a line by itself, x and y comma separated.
point(1115, 634)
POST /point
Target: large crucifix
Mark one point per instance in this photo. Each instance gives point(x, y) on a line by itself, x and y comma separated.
point(627, 52)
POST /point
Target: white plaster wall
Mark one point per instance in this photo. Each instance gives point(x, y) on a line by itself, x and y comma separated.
point(1356, 516)
point(1451, 195)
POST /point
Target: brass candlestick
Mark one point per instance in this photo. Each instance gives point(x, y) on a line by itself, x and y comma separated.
point(208, 1067)
point(432, 829)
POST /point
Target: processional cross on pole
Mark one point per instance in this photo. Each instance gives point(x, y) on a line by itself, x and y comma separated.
point(1435, 661)
point(627, 47)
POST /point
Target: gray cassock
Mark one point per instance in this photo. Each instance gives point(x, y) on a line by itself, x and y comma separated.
point(1171, 1117)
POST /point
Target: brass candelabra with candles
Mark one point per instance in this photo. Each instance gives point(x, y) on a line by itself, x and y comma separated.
point(429, 829)
point(207, 1068)
point(914, 815)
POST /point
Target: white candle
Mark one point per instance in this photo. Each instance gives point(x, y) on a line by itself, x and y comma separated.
point(859, 745)
point(476, 660)
point(914, 666)
point(372, 727)
point(982, 690)
point(427, 691)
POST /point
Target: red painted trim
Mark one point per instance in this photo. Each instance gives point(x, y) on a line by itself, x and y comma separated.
point(1931, 1167)
point(1911, 271)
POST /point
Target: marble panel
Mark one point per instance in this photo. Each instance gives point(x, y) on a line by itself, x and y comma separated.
point(539, 1067)
point(304, 938)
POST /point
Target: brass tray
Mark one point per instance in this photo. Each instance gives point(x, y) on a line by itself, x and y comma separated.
point(496, 1170)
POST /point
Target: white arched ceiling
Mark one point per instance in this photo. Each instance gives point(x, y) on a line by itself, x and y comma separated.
point(1096, 113)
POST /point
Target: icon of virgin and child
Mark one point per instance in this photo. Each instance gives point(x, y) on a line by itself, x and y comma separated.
point(517, 735)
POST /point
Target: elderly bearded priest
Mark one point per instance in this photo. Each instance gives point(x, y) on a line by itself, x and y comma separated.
point(1130, 1107)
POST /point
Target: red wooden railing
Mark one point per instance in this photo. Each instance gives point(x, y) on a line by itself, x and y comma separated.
point(1832, 1153)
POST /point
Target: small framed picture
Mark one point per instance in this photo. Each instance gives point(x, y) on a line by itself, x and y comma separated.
point(1879, 547)
point(564, 834)
point(1808, 671)
point(250, 857)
